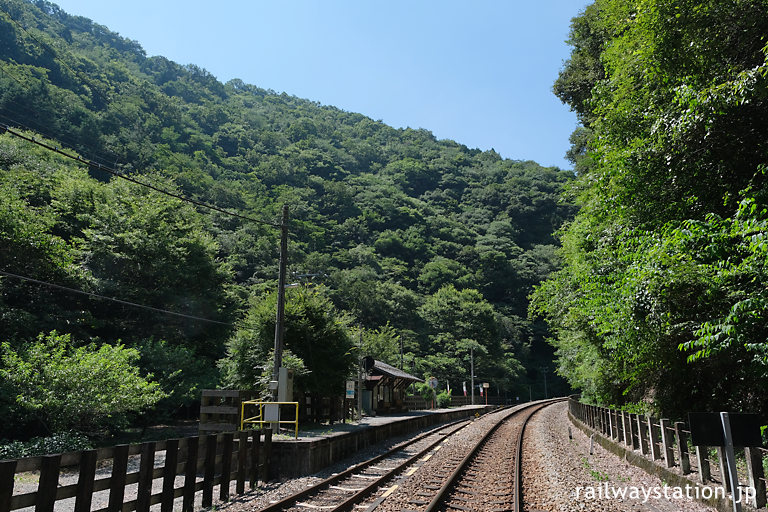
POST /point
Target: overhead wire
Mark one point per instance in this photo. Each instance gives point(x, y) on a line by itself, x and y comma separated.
point(113, 299)
point(105, 167)
point(4, 128)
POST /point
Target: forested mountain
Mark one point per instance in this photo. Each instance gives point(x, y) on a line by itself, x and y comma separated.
point(422, 246)
point(662, 300)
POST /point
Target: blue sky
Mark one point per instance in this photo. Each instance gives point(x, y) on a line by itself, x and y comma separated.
point(478, 72)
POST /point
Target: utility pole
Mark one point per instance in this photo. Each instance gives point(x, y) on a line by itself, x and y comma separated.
point(360, 374)
point(279, 324)
point(472, 372)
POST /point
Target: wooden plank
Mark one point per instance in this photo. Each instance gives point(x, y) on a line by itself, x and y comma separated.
point(232, 393)
point(28, 464)
point(146, 467)
point(85, 481)
point(226, 465)
point(169, 476)
point(242, 454)
point(190, 474)
point(49, 483)
point(7, 472)
point(220, 409)
point(117, 483)
point(209, 470)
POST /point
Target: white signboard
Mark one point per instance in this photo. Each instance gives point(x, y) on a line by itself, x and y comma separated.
point(350, 389)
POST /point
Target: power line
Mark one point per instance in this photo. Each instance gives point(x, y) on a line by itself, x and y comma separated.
point(113, 299)
point(101, 167)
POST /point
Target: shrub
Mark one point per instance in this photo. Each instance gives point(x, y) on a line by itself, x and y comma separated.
point(180, 373)
point(62, 387)
point(57, 443)
point(444, 399)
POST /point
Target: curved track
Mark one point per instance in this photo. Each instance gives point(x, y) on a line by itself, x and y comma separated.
point(489, 478)
point(344, 490)
point(475, 467)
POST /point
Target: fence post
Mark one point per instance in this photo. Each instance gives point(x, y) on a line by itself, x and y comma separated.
point(633, 428)
point(603, 421)
point(146, 468)
point(169, 475)
point(255, 456)
point(682, 448)
point(642, 433)
point(703, 462)
point(209, 469)
point(619, 427)
point(666, 441)
point(7, 472)
point(49, 482)
point(723, 466)
point(653, 439)
point(226, 466)
point(87, 471)
point(268, 454)
point(242, 454)
point(117, 482)
point(755, 470)
point(628, 430)
point(611, 423)
point(190, 474)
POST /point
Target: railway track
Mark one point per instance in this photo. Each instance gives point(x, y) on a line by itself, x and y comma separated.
point(489, 478)
point(348, 488)
point(463, 466)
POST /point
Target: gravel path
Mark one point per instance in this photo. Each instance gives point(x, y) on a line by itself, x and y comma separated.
point(559, 474)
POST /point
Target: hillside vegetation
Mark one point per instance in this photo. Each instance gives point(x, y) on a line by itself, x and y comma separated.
point(663, 297)
point(425, 249)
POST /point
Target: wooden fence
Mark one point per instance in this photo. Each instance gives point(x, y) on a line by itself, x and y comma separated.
point(185, 467)
point(667, 441)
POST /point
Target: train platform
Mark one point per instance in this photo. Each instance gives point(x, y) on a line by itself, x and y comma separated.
point(325, 430)
point(318, 447)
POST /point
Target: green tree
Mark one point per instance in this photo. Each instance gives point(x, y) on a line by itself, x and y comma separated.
point(655, 302)
point(315, 333)
point(53, 386)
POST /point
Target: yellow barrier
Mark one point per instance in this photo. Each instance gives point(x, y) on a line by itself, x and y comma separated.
point(259, 418)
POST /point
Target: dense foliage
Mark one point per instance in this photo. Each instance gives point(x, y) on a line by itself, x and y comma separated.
point(52, 385)
point(662, 298)
point(401, 227)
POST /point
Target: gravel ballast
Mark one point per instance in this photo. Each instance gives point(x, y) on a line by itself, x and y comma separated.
point(559, 474)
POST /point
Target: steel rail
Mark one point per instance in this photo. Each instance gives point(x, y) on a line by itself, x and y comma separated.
point(291, 500)
point(457, 473)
